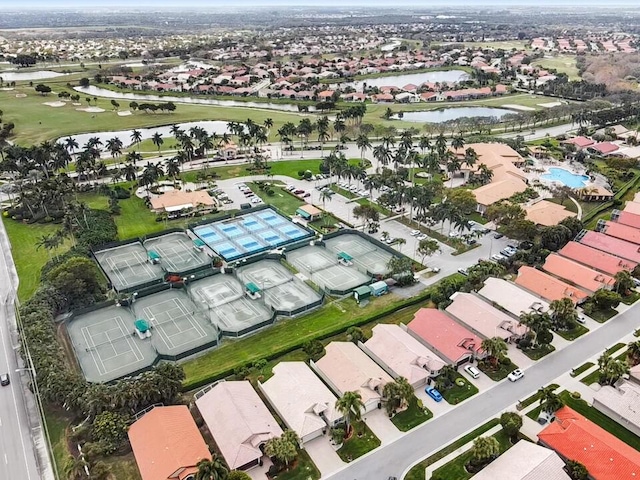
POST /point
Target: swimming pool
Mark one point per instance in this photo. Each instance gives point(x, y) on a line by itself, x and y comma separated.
point(572, 180)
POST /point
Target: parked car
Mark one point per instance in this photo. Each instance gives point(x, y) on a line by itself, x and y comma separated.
point(4, 379)
point(516, 375)
point(306, 195)
point(256, 200)
point(525, 245)
point(291, 188)
point(414, 233)
point(581, 319)
point(433, 393)
point(472, 371)
point(498, 235)
point(422, 236)
point(299, 191)
point(463, 271)
point(472, 241)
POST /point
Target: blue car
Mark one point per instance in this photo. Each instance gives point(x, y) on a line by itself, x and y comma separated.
point(433, 393)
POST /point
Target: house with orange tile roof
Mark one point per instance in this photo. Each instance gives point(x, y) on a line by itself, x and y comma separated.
point(596, 259)
point(580, 142)
point(167, 444)
point(548, 287)
point(605, 456)
point(346, 368)
point(176, 200)
point(239, 422)
point(618, 230)
point(632, 207)
point(605, 243)
point(547, 213)
point(446, 337)
point(584, 277)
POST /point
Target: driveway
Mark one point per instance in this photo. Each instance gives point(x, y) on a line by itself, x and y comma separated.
point(378, 421)
point(323, 455)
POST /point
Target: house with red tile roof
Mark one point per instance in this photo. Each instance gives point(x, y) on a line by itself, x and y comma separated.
point(576, 438)
point(444, 336)
point(605, 243)
point(581, 142)
point(548, 287)
point(578, 274)
point(167, 444)
point(596, 259)
point(604, 148)
point(618, 230)
point(632, 207)
point(626, 218)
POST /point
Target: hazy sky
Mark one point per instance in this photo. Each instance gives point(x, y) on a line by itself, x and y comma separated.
point(342, 3)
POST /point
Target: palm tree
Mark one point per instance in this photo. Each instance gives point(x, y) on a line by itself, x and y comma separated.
point(495, 348)
point(214, 469)
point(624, 282)
point(157, 140)
point(136, 137)
point(324, 196)
point(173, 168)
point(611, 369)
point(484, 449)
point(351, 407)
point(71, 145)
point(400, 242)
point(363, 143)
point(74, 468)
point(633, 352)
point(563, 314)
point(550, 402)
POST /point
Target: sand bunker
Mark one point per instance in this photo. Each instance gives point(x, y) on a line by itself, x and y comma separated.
point(550, 105)
point(76, 104)
point(518, 107)
point(91, 109)
point(6, 89)
point(21, 95)
point(55, 104)
point(125, 113)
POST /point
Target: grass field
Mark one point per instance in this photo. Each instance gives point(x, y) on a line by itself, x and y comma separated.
point(362, 441)
point(415, 414)
point(36, 122)
point(561, 63)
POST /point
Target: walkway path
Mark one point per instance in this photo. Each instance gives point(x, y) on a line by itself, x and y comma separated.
point(579, 214)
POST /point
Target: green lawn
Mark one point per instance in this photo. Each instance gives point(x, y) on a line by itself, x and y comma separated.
point(418, 470)
point(57, 423)
point(457, 393)
point(593, 377)
point(581, 369)
point(123, 466)
point(602, 316)
point(287, 335)
point(362, 441)
point(574, 333)
point(497, 374)
point(302, 469)
point(611, 350)
point(415, 414)
point(561, 63)
point(37, 122)
point(455, 469)
point(601, 419)
point(28, 259)
point(630, 299)
point(281, 199)
point(539, 352)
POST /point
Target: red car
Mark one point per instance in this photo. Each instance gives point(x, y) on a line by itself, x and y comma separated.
point(298, 192)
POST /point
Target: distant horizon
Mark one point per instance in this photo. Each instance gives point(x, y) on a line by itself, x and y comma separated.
point(380, 4)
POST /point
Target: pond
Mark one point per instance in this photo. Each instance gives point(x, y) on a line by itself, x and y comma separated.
point(217, 127)
point(147, 97)
point(447, 114)
point(444, 76)
point(17, 76)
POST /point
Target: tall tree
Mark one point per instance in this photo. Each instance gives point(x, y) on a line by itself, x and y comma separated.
point(351, 406)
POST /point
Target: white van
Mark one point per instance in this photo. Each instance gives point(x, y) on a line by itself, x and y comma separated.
point(472, 371)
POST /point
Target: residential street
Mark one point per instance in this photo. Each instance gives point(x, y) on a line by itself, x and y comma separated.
point(17, 455)
point(395, 458)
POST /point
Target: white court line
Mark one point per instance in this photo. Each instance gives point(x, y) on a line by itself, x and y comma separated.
point(164, 336)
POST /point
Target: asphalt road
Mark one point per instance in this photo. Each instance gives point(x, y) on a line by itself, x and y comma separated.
point(395, 458)
point(17, 456)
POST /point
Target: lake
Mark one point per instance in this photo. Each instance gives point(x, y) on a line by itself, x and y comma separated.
point(92, 90)
point(444, 76)
point(17, 76)
point(214, 126)
point(454, 113)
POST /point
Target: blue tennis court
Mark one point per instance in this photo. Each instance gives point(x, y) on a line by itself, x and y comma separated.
point(249, 234)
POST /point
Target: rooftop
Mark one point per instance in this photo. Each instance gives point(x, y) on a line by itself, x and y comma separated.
point(444, 334)
point(480, 316)
point(597, 259)
point(238, 421)
point(605, 456)
point(547, 213)
point(605, 243)
point(578, 274)
point(525, 461)
point(633, 207)
point(173, 199)
point(623, 399)
point(618, 230)
point(300, 397)
point(548, 287)
point(167, 444)
point(499, 190)
point(512, 298)
point(404, 355)
point(628, 218)
point(349, 369)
